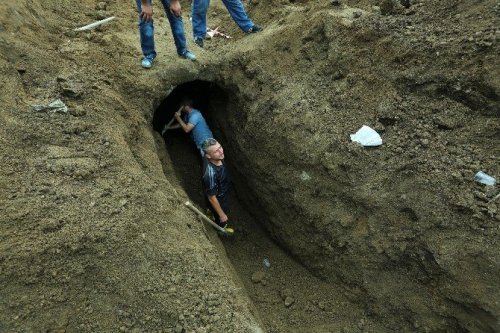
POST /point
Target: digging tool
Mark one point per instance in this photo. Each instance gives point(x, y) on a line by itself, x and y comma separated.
point(225, 231)
point(170, 122)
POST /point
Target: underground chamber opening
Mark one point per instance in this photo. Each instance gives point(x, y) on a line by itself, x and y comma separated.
point(287, 296)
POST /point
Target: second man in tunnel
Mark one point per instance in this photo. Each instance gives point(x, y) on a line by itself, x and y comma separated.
point(192, 121)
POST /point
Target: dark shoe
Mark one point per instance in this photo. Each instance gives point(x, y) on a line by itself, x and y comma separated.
point(255, 28)
point(198, 41)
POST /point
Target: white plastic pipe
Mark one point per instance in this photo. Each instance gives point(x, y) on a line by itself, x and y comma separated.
point(95, 24)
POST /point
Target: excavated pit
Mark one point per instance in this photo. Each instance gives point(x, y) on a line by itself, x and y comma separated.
point(287, 296)
point(318, 227)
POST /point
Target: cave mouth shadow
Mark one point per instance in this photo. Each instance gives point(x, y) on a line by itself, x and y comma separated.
point(208, 98)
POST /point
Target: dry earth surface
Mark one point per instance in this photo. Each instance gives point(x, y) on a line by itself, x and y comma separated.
point(94, 236)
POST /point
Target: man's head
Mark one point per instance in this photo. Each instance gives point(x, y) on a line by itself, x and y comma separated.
point(188, 106)
point(213, 150)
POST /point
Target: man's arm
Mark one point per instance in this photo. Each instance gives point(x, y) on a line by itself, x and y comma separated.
point(186, 127)
point(146, 11)
point(218, 209)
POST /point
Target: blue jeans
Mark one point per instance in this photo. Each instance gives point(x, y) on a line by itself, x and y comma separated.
point(146, 31)
point(234, 7)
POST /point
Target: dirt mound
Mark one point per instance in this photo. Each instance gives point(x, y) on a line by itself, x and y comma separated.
point(93, 235)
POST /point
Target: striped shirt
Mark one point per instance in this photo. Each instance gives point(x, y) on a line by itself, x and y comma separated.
point(216, 179)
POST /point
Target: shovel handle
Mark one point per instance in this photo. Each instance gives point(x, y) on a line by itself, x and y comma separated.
point(204, 217)
point(170, 122)
point(173, 118)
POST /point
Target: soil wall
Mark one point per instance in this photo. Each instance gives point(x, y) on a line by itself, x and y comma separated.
point(94, 237)
point(404, 224)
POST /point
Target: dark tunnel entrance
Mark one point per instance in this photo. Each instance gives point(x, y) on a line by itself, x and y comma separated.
point(279, 287)
point(208, 98)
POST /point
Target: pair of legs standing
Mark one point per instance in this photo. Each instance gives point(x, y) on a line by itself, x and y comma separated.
point(235, 9)
point(146, 31)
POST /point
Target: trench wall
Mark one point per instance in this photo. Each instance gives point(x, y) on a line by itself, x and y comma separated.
point(390, 222)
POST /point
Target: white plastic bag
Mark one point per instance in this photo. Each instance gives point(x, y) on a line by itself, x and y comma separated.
point(367, 136)
point(484, 178)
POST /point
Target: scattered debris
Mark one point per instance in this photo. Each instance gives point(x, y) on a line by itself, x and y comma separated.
point(215, 32)
point(367, 136)
point(484, 178)
point(266, 262)
point(305, 176)
point(54, 106)
point(95, 24)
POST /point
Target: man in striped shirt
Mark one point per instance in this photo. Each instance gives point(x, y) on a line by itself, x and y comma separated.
point(216, 182)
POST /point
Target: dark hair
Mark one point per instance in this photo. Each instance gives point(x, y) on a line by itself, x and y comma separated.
point(187, 101)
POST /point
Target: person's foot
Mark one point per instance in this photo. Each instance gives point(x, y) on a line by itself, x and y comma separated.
point(189, 56)
point(198, 41)
point(147, 63)
point(255, 28)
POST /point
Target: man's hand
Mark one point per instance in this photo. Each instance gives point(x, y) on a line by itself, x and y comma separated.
point(218, 209)
point(146, 12)
point(175, 8)
point(177, 115)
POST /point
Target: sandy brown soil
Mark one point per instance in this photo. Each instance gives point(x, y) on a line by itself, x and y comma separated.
point(93, 233)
